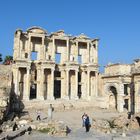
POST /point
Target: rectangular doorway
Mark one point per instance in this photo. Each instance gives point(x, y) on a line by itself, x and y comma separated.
point(33, 89)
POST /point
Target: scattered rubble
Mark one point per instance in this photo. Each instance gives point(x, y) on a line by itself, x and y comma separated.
point(119, 124)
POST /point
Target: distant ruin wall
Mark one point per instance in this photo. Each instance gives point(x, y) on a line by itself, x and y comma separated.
point(5, 88)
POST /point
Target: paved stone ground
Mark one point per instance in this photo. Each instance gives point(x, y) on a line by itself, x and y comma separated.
point(72, 118)
point(80, 134)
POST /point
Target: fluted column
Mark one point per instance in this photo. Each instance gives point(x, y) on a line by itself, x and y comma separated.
point(26, 91)
point(88, 84)
point(83, 78)
point(67, 85)
point(40, 75)
point(16, 79)
point(64, 85)
point(29, 48)
point(88, 52)
point(96, 84)
point(53, 49)
point(76, 85)
point(76, 51)
point(51, 92)
point(43, 49)
point(42, 84)
point(129, 100)
point(68, 50)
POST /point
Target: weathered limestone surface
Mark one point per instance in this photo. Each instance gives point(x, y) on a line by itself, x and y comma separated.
point(5, 88)
point(64, 66)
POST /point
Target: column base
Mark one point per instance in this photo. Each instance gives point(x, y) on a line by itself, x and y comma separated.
point(40, 98)
point(50, 98)
point(74, 98)
point(25, 98)
point(83, 97)
point(65, 97)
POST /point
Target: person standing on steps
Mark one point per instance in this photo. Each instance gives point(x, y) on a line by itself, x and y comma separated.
point(38, 115)
point(50, 112)
point(87, 123)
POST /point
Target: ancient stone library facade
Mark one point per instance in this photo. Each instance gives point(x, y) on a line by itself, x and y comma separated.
point(50, 66)
point(59, 66)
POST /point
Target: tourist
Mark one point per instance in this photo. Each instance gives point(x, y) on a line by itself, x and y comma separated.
point(50, 111)
point(38, 115)
point(83, 119)
point(87, 123)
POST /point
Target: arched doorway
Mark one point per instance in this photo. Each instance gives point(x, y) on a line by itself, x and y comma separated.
point(113, 97)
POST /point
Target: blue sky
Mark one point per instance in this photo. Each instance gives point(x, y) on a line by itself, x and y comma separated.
point(115, 22)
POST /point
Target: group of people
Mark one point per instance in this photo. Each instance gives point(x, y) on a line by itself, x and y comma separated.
point(85, 118)
point(86, 122)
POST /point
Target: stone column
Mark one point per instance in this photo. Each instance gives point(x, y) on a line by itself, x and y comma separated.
point(88, 85)
point(68, 50)
point(41, 94)
point(76, 52)
point(96, 84)
point(26, 93)
point(120, 100)
point(63, 84)
point(29, 48)
point(51, 92)
point(74, 87)
point(53, 50)
point(96, 52)
point(43, 49)
point(88, 52)
point(83, 88)
point(67, 85)
point(16, 81)
point(136, 98)
point(18, 44)
point(40, 74)
point(15, 54)
point(76, 84)
point(129, 101)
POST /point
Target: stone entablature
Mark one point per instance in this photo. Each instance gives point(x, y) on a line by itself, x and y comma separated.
point(117, 69)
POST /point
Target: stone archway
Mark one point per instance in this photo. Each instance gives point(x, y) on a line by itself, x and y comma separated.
point(113, 97)
point(111, 90)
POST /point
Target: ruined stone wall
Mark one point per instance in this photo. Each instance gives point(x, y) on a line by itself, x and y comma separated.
point(100, 85)
point(5, 87)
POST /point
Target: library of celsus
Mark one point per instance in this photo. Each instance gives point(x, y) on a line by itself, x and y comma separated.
point(60, 66)
point(50, 66)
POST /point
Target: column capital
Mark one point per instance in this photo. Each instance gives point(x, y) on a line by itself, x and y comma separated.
point(27, 68)
point(16, 68)
point(88, 71)
point(67, 70)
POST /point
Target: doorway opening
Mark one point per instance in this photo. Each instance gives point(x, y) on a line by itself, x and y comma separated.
point(57, 84)
point(125, 104)
point(33, 89)
point(79, 85)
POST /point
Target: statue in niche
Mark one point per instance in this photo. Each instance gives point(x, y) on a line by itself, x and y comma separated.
point(33, 75)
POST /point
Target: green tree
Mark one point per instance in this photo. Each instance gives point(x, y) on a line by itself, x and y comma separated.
point(1, 57)
point(8, 59)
